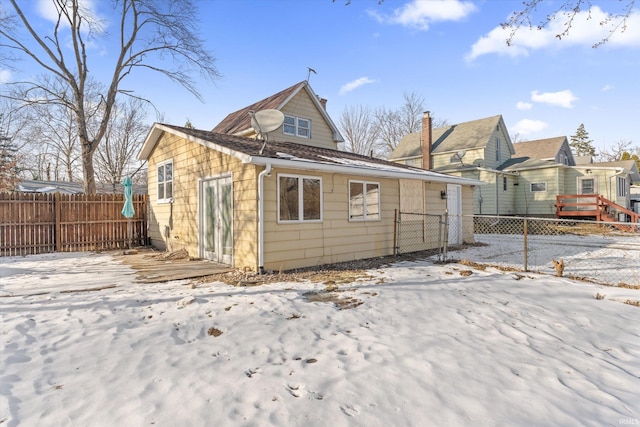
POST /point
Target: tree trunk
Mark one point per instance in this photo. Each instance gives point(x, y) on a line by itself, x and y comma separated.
point(88, 173)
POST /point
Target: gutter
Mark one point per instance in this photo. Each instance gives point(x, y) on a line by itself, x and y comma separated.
point(362, 171)
point(261, 176)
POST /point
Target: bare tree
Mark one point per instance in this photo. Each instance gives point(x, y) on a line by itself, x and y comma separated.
point(54, 125)
point(567, 11)
point(13, 160)
point(621, 150)
point(359, 129)
point(390, 130)
point(394, 124)
point(148, 31)
point(125, 134)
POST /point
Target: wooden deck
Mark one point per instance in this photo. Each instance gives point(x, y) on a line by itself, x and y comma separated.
point(587, 206)
point(154, 266)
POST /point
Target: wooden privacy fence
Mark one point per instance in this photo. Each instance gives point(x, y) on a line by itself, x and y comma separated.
point(33, 223)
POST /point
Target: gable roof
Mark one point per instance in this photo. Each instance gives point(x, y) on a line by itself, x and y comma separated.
point(541, 152)
point(296, 156)
point(239, 122)
point(541, 149)
point(450, 138)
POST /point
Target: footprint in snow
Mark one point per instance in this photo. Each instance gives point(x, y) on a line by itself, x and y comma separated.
point(350, 410)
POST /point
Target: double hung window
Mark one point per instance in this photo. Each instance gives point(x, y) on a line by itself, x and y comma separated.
point(299, 198)
point(297, 126)
point(364, 201)
point(165, 181)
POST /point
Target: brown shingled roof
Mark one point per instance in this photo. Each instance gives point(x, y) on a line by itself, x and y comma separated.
point(277, 150)
point(240, 120)
point(539, 149)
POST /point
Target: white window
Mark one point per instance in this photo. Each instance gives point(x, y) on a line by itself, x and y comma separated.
point(297, 126)
point(364, 201)
point(505, 183)
point(497, 149)
point(299, 198)
point(165, 181)
point(538, 187)
point(622, 186)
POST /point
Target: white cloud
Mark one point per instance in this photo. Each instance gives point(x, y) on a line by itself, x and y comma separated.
point(585, 30)
point(563, 98)
point(47, 10)
point(419, 13)
point(607, 88)
point(348, 87)
point(524, 105)
point(5, 76)
point(527, 126)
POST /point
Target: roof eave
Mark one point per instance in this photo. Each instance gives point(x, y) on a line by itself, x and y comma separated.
point(362, 171)
point(158, 129)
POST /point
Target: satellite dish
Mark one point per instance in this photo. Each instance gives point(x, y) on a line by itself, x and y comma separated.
point(265, 121)
point(478, 162)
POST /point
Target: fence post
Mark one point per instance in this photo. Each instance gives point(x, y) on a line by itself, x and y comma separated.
point(395, 232)
point(56, 221)
point(526, 254)
point(445, 237)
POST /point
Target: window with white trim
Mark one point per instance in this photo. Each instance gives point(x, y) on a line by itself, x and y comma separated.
point(497, 149)
point(297, 126)
point(165, 181)
point(538, 187)
point(364, 201)
point(505, 183)
point(622, 186)
point(299, 198)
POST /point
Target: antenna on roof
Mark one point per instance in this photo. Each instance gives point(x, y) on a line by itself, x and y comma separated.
point(310, 70)
point(265, 121)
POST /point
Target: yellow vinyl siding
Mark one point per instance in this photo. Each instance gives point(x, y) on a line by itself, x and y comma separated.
point(335, 239)
point(302, 106)
point(192, 162)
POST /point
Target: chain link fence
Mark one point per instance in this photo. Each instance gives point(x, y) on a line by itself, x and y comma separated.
point(606, 253)
point(417, 232)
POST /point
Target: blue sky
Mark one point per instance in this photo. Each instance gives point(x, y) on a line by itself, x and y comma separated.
point(452, 53)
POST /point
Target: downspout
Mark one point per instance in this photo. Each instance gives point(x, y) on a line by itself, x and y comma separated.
point(261, 176)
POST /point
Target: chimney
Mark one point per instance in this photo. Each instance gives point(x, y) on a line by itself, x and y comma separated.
point(323, 102)
point(426, 140)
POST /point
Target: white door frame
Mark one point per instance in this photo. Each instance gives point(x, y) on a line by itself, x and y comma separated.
point(579, 180)
point(454, 209)
point(220, 249)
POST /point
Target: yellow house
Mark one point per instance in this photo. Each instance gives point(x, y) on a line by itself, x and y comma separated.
point(289, 202)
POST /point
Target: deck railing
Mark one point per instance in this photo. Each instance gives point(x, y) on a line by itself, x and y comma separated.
point(592, 205)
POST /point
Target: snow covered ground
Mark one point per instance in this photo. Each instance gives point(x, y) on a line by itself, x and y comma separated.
point(610, 259)
point(83, 344)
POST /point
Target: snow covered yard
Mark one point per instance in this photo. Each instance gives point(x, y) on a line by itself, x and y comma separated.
point(82, 344)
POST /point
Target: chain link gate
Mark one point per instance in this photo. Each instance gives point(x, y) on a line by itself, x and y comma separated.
point(416, 232)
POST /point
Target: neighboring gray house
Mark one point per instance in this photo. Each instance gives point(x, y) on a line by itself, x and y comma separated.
point(524, 178)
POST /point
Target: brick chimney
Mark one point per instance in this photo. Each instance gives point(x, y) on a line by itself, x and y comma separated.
point(323, 102)
point(426, 140)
